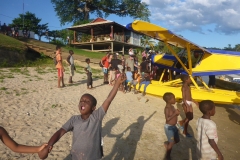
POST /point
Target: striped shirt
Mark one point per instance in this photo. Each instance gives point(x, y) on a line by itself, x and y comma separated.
point(206, 129)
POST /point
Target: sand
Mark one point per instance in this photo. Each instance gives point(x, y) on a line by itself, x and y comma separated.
point(33, 109)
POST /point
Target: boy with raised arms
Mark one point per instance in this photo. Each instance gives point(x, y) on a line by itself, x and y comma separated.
point(86, 127)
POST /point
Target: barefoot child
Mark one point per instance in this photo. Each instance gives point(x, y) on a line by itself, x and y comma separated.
point(171, 115)
point(137, 76)
point(86, 128)
point(130, 80)
point(15, 147)
point(59, 67)
point(88, 70)
point(187, 104)
point(207, 137)
point(70, 61)
point(146, 81)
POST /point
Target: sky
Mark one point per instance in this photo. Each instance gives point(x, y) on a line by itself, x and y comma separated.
point(208, 23)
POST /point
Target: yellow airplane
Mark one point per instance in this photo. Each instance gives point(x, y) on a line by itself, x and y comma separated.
point(193, 60)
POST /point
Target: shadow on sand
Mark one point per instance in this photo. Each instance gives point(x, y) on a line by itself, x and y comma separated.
point(84, 82)
point(232, 115)
point(125, 147)
point(69, 157)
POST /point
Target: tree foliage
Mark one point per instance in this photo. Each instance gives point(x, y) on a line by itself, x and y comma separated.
point(77, 10)
point(31, 22)
point(237, 47)
point(42, 29)
point(147, 42)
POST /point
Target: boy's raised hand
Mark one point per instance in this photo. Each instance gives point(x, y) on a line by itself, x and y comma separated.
point(113, 92)
point(121, 78)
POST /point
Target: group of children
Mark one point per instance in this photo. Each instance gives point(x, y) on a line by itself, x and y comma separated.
point(140, 75)
point(136, 78)
point(87, 127)
point(72, 68)
point(207, 137)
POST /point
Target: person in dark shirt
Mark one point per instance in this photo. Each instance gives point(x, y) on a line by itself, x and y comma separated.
point(144, 67)
point(113, 65)
point(135, 63)
point(212, 81)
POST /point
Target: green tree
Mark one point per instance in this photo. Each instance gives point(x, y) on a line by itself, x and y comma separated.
point(42, 30)
point(147, 42)
point(229, 47)
point(77, 10)
point(237, 47)
point(53, 35)
point(31, 22)
point(163, 48)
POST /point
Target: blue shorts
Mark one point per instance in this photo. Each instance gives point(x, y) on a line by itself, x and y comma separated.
point(105, 70)
point(171, 132)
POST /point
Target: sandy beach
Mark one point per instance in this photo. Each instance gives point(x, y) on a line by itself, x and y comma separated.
point(33, 109)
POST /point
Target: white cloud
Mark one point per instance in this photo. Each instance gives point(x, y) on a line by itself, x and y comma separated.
point(194, 14)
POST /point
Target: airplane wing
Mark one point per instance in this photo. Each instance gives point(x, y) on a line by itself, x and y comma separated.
point(162, 34)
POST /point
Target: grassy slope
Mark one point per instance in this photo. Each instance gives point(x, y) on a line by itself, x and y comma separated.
point(77, 51)
point(10, 43)
point(89, 54)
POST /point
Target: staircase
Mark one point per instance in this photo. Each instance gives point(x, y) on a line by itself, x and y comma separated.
point(49, 50)
point(46, 51)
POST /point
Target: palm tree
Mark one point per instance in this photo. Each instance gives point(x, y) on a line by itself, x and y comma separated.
point(147, 42)
point(237, 47)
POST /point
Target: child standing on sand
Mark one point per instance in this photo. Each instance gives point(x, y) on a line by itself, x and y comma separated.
point(15, 147)
point(88, 70)
point(59, 67)
point(187, 104)
point(207, 137)
point(70, 61)
point(86, 127)
point(170, 128)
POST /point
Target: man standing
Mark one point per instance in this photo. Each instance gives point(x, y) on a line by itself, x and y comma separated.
point(106, 64)
point(113, 65)
point(70, 61)
point(130, 63)
point(144, 66)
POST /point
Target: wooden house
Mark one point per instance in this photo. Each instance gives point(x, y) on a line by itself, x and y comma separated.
point(105, 36)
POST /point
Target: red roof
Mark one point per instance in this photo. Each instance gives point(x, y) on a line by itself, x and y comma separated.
point(98, 20)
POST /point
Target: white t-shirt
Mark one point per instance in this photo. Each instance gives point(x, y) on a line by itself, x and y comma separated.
point(89, 69)
point(131, 53)
point(206, 129)
point(71, 60)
